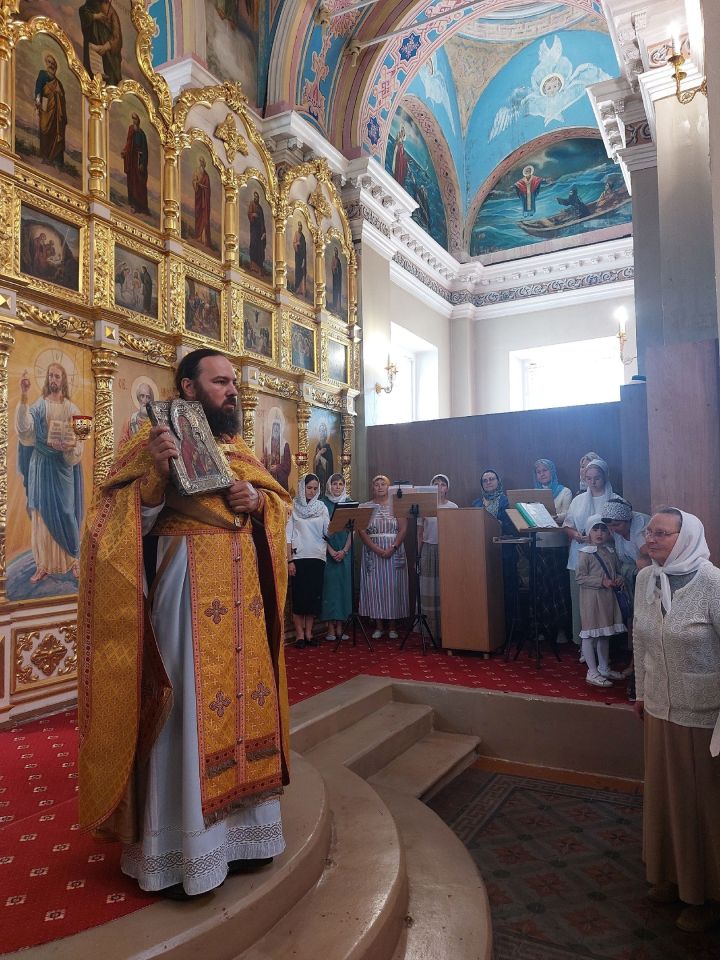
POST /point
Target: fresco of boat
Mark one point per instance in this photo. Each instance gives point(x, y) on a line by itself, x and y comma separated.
point(549, 227)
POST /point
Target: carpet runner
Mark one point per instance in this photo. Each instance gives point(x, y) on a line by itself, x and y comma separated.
point(55, 880)
point(563, 871)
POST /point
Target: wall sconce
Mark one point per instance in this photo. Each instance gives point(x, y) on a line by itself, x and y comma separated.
point(391, 371)
point(621, 317)
point(677, 60)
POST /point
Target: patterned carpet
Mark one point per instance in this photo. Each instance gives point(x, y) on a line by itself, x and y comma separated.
point(563, 872)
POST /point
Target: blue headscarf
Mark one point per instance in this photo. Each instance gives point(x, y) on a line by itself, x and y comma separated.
point(554, 486)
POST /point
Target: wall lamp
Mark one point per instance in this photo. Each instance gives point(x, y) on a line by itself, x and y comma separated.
point(391, 371)
point(677, 60)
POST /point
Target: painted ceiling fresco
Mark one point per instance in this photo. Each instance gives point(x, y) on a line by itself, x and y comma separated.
point(476, 84)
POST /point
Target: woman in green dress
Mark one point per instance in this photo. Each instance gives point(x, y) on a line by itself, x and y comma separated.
point(337, 588)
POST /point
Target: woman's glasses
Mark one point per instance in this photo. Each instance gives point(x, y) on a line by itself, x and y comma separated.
point(659, 534)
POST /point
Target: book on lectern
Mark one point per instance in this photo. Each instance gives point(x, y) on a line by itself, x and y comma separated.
point(535, 514)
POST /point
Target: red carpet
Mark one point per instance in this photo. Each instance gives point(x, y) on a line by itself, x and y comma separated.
point(55, 880)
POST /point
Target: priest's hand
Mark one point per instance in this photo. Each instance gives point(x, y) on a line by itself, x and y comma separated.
point(162, 448)
point(242, 497)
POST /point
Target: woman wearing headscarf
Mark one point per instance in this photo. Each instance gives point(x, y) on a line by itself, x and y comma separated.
point(553, 592)
point(585, 459)
point(676, 639)
point(495, 501)
point(584, 506)
point(337, 586)
point(429, 557)
point(305, 534)
point(383, 571)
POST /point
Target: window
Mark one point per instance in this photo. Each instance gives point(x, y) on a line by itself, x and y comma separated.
point(566, 374)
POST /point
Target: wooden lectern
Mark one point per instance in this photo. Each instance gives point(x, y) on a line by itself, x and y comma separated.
point(472, 611)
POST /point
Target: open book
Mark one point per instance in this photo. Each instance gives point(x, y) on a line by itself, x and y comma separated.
point(535, 515)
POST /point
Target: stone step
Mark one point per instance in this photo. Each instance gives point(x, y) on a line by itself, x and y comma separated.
point(329, 712)
point(217, 927)
point(355, 912)
point(428, 764)
point(375, 740)
point(448, 913)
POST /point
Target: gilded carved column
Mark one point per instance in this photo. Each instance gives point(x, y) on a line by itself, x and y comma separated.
point(320, 275)
point(236, 320)
point(280, 264)
point(231, 219)
point(352, 294)
point(5, 92)
point(303, 418)
point(6, 343)
point(104, 366)
point(171, 200)
point(248, 402)
point(97, 164)
point(348, 430)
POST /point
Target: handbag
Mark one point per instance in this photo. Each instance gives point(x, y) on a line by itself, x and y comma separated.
point(623, 601)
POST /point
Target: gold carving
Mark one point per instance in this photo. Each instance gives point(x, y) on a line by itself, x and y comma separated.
point(176, 319)
point(8, 208)
point(236, 320)
point(48, 654)
point(52, 652)
point(154, 350)
point(319, 204)
point(333, 401)
point(303, 418)
point(249, 402)
point(61, 324)
point(7, 340)
point(104, 365)
point(348, 428)
point(233, 140)
point(283, 388)
point(103, 264)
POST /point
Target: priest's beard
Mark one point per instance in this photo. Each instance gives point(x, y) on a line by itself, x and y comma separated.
point(222, 421)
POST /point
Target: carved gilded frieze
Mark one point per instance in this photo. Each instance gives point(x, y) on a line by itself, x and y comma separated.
point(44, 656)
point(270, 383)
point(60, 324)
point(104, 366)
point(154, 351)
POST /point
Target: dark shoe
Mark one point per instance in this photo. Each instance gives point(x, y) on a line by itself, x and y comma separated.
point(248, 866)
point(300, 644)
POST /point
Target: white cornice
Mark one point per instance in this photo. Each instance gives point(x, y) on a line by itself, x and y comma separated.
point(563, 298)
point(291, 131)
point(186, 73)
point(401, 278)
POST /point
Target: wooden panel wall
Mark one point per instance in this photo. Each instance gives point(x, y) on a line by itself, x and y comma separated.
point(683, 396)
point(635, 445)
point(462, 447)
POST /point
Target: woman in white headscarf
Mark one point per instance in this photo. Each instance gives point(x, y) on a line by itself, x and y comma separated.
point(429, 558)
point(676, 639)
point(306, 533)
point(584, 506)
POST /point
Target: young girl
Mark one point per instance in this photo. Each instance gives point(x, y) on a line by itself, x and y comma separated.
point(597, 576)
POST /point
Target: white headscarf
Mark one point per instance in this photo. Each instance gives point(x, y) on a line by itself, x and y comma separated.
point(583, 506)
point(329, 495)
point(302, 508)
point(589, 524)
point(688, 555)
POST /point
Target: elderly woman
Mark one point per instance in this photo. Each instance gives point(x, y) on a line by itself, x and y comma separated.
point(305, 534)
point(429, 558)
point(383, 572)
point(677, 662)
point(553, 593)
point(584, 506)
point(337, 587)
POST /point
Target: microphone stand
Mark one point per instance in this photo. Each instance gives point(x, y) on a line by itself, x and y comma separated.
point(420, 618)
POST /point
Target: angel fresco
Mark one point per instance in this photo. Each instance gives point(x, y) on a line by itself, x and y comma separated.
point(554, 86)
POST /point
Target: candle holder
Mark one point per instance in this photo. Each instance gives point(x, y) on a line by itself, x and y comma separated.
point(82, 425)
point(301, 460)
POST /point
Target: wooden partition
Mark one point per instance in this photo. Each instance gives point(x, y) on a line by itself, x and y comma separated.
point(462, 447)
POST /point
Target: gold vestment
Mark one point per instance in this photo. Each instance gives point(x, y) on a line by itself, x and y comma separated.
point(238, 580)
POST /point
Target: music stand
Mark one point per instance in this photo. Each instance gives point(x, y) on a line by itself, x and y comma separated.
point(416, 503)
point(525, 529)
point(351, 516)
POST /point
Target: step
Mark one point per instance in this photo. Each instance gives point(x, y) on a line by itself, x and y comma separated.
point(356, 909)
point(448, 913)
point(237, 914)
point(375, 740)
point(428, 764)
point(327, 713)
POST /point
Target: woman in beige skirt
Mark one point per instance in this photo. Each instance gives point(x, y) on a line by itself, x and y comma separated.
point(676, 641)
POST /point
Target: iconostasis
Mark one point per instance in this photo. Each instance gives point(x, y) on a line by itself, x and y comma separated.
point(134, 228)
